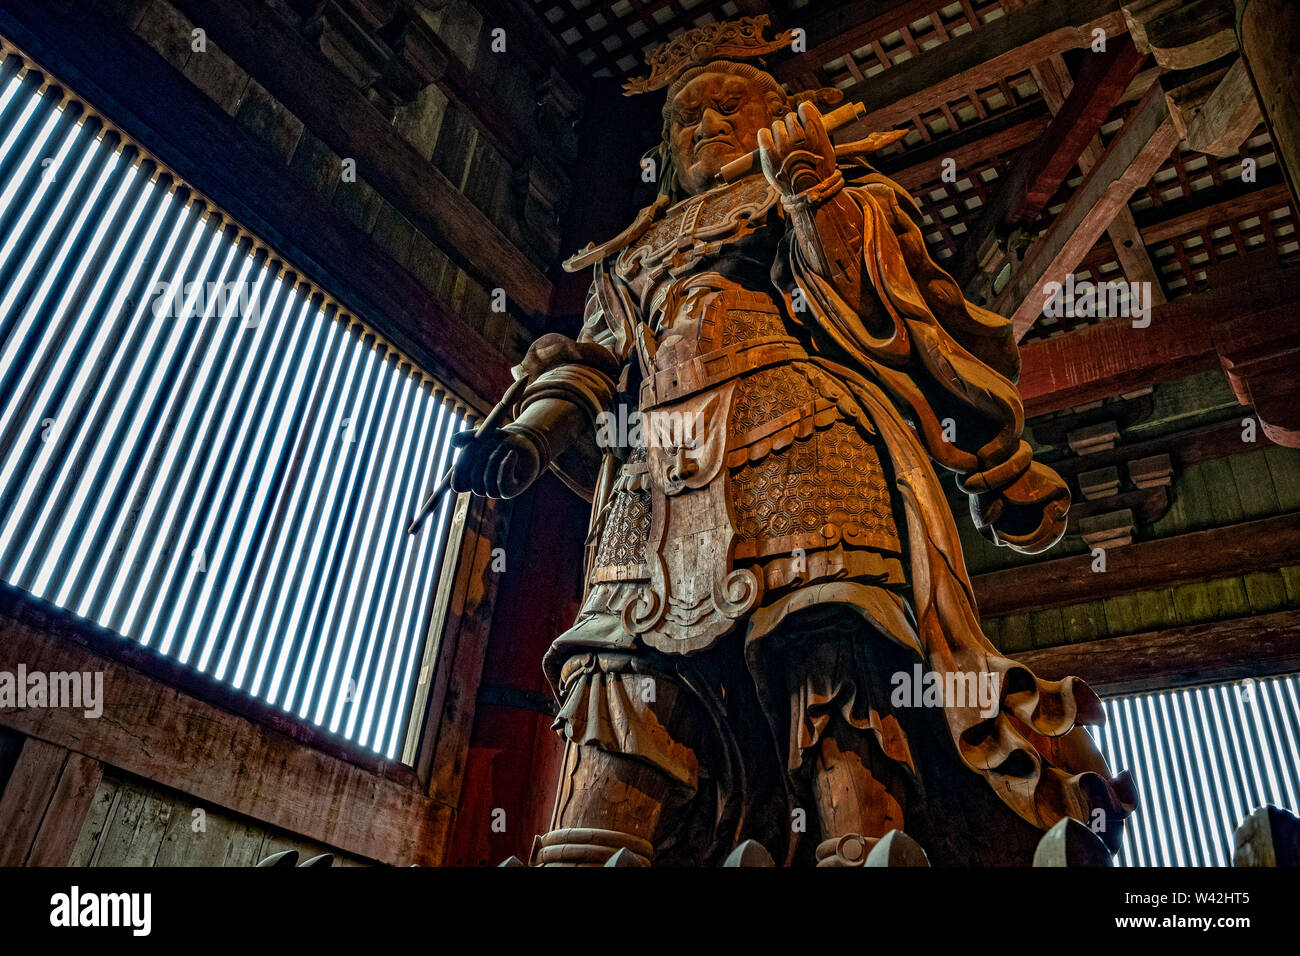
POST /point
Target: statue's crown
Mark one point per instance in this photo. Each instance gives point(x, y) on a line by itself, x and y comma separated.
point(731, 40)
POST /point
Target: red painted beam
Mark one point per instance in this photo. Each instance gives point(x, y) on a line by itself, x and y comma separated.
point(1113, 357)
point(1102, 80)
point(1026, 189)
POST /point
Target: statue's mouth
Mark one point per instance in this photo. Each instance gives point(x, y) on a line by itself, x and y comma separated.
point(714, 141)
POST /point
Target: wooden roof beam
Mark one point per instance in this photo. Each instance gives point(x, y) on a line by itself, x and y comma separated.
point(1024, 192)
point(337, 112)
point(1053, 77)
point(1259, 645)
point(1110, 358)
point(1131, 160)
point(1219, 119)
point(841, 28)
point(1241, 201)
point(980, 59)
point(1236, 202)
point(1262, 545)
point(1184, 336)
point(1113, 356)
point(531, 39)
point(970, 146)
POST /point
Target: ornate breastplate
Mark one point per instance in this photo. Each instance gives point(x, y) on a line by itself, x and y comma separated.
point(697, 228)
point(712, 336)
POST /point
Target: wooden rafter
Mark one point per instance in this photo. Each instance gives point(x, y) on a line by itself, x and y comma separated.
point(1243, 199)
point(1234, 204)
point(1132, 158)
point(978, 143)
point(1029, 186)
point(844, 27)
point(1113, 357)
point(981, 58)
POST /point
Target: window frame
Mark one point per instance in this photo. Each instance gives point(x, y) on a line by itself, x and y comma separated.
point(470, 526)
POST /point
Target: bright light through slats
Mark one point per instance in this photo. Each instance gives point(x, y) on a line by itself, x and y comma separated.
point(229, 484)
point(1203, 759)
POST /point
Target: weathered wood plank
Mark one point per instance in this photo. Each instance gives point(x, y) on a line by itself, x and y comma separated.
point(1227, 117)
point(206, 838)
point(1255, 646)
point(160, 733)
point(1266, 591)
point(93, 827)
point(27, 794)
point(66, 814)
point(469, 620)
point(134, 830)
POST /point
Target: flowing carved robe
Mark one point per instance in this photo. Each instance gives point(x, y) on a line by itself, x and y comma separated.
point(818, 411)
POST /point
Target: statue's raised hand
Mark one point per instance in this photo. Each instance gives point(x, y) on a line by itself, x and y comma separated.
point(498, 463)
point(796, 153)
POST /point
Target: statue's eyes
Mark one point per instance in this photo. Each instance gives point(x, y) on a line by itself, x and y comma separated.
point(688, 117)
point(729, 106)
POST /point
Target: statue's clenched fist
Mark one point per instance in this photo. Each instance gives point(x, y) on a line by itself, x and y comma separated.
point(498, 463)
point(796, 153)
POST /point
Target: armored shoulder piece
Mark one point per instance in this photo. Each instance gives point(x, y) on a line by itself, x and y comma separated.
point(592, 253)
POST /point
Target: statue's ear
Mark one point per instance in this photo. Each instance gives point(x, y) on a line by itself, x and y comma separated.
point(777, 105)
point(668, 184)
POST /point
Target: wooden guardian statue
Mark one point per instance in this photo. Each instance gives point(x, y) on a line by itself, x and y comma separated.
point(779, 641)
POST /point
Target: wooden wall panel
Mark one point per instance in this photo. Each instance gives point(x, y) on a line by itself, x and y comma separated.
point(160, 733)
point(66, 812)
point(26, 795)
point(43, 804)
point(135, 823)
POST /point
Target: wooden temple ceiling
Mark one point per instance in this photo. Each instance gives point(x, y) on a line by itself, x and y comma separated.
point(979, 82)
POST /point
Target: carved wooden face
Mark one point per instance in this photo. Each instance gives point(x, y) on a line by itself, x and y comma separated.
point(714, 119)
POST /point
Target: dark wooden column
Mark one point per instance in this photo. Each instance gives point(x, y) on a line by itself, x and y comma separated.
point(1269, 34)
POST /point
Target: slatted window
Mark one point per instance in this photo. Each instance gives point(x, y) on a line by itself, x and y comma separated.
point(1204, 758)
point(198, 449)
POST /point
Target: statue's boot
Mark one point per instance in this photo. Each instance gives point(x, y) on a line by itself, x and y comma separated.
point(749, 853)
point(585, 846)
point(1071, 843)
point(895, 848)
point(850, 849)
